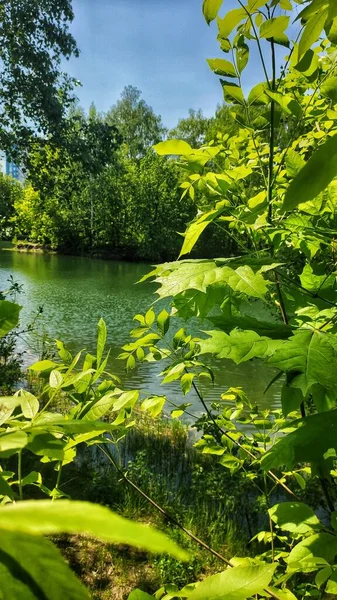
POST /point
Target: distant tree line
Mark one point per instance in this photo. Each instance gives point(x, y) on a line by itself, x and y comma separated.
point(99, 187)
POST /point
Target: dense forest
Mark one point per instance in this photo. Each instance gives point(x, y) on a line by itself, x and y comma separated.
point(104, 191)
point(109, 490)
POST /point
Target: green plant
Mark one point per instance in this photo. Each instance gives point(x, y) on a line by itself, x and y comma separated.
point(272, 189)
point(30, 565)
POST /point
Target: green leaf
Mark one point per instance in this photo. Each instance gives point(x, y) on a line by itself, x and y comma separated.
point(186, 382)
point(173, 147)
point(304, 557)
point(331, 30)
point(329, 88)
point(5, 488)
point(48, 518)
point(295, 517)
point(244, 280)
point(311, 357)
point(286, 102)
point(230, 21)
point(163, 321)
point(255, 4)
point(332, 10)
point(9, 316)
point(31, 568)
point(196, 227)
point(63, 353)
point(7, 407)
point(29, 404)
point(210, 9)
point(154, 405)
point(101, 340)
point(275, 27)
point(232, 92)
point(239, 346)
point(294, 162)
point(308, 64)
point(46, 444)
point(242, 56)
point(318, 172)
point(291, 399)
point(174, 373)
point(263, 328)
point(200, 275)
point(43, 365)
point(312, 31)
point(311, 439)
point(322, 576)
point(126, 400)
point(258, 95)
point(331, 586)
point(235, 583)
point(55, 379)
point(314, 283)
point(97, 409)
point(223, 67)
point(139, 595)
point(10, 443)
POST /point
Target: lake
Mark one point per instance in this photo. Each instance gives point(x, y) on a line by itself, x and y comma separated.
point(75, 292)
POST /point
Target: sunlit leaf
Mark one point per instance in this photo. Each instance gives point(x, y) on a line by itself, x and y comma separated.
point(47, 518)
point(238, 346)
point(235, 583)
point(173, 147)
point(210, 9)
point(31, 568)
point(222, 67)
point(295, 517)
point(101, 340)
point(308, 443)
point(305, 555)
point(9, 316)
point(315, 176)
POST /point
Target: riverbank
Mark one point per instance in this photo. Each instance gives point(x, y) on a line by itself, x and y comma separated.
point(25, 247)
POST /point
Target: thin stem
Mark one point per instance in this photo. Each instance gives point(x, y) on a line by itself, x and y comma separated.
point(272, 138)
point(257, 41)
point(20, 474)
point(281, 301)
point(58, 480)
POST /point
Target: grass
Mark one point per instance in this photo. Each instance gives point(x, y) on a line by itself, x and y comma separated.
point(193, 488)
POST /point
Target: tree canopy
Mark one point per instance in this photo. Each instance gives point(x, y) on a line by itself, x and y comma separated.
point(34, 93)
point(136, 121)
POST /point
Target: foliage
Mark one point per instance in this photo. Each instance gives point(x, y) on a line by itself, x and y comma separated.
point(131, 209)
point(30, 564)
point(272, 188)
point(34, 94)
point(10, 193)
point(139, 126)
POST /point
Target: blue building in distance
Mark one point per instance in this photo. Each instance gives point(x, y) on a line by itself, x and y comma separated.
point(9, 168)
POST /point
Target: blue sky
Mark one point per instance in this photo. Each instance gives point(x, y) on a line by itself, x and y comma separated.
point(159, 46)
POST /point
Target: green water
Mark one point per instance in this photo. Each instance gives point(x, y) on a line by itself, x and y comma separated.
point(75, 292)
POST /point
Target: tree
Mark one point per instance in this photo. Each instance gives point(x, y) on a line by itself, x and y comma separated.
point(34, 94)
point(136, 121)
point(193, 129)
point(10, 192)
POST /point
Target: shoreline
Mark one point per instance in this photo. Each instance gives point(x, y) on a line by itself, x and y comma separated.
point(97, 254)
